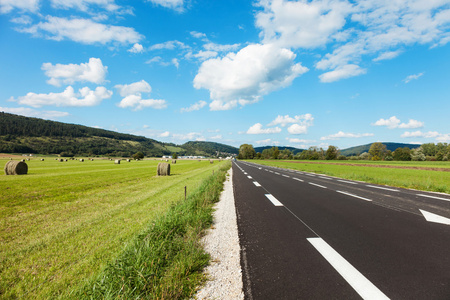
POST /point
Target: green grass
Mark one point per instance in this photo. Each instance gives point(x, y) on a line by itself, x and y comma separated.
point(426, 180)
point(65, 222)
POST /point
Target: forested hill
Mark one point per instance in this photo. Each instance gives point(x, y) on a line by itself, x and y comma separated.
point(365, 148)
point(19, 134)
point(210, 147)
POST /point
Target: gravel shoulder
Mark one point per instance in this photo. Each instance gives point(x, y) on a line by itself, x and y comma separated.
point(222, 243)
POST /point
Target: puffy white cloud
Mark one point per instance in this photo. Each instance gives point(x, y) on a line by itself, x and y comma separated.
point(202, 55)
point(137, 48)
point(298, 129)
point(93, 71)
point(84, 97)
point(306, 119)
point(267, 142)
point(169, 45)
point(304, 24)
point(196, 106)
point(133, 88)
point(83, 31)
point(342, 72)
point(177, 5)
point(429, 134)
point(29, 112)
point(412, 77)
point(244, 77)
point(258, 129)
point(133, 97)
point(7, 6)
point(394, 122)
point(198, 35)
point(165, 134)
point(342, 134)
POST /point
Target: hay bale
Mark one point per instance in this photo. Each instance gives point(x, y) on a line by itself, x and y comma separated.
point(16, 168)
point(61, 160)
point(81, 159)
point(174, 161)
point(211, 161)
point(163, 169)
point(117, 161)
point(128, 160)
point(42, 159)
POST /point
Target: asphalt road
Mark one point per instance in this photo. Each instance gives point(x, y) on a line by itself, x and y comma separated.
point(308, 236)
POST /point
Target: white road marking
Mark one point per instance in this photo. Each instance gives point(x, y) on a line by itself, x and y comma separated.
point(351, 182)
point(245, 173)
point(285, 176)
point(430, 217)
point(274, 200)
point(310, 174)
point(325, 177)
point(324, 187)
point(434, 197)
point(277, 173)
point(256, 183)
point(297, 179)
point(359, 197)
point(382, 188)
point(249, 177)
point(365, 288)
point(260, 168)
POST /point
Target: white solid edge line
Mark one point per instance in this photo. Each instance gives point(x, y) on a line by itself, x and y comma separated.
point(430, 217)
point(365, 288)
point(348, 181)
point(297, 179)
point(382, 188)
point(324, 187)
point(359, 197)
point(434, 197)
point(256, 183)
point(274, 200)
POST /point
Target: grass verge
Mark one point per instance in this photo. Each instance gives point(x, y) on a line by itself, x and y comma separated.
point(166, 259)
point(425, 180)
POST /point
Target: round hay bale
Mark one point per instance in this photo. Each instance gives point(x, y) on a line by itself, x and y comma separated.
point(128, 160)
point(28, 159)
point(81, 159)
point(42, 159)
point(174, 161)
point(16, 168)
point(61, 160)
point(163, 169)
point(117, 161)
point(211, 161)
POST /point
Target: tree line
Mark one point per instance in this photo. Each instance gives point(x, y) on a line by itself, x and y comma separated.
point(377, 151)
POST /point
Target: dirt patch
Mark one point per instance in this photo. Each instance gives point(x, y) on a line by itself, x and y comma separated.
point(372, 166)
point(3, 155)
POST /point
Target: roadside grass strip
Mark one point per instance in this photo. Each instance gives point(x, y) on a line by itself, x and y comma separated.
point(433, 197)
point(274, 200)
point(165, 261)
point(365, 288)
point(351, 195)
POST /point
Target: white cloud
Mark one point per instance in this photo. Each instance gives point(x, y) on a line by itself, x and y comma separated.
point(342, 134)
point(133, 97)
point(83, 5)
point(196, 106)
point(169, 45)
point(7, 6)
point(92, 71)
point(306, 119)
point(412, 77)
point(394, 122)
point(84, 97)
point(175, 62)
point(244, 77)
point(221, 48)
point(133, 88)
point(217, 137)
point(298, 129)
point(165, 134)
point(300, 141)
point(29, 112)
point(177, 5)
point(342, 72)
point(267, 142)
point(429, 134)
point(191, 136)
point(83, 31)
point(198, 35)
point(257, 129)
point(137, 48)
point(202, 55)
point(388, 55)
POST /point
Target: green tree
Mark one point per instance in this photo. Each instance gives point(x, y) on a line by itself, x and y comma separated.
point(174, 155)
point(377, 151)
point(402, 154)
point(247, 151)
point(332, 153)
point(275, 152)
point(138, 155)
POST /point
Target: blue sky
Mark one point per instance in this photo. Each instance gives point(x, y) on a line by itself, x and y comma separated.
point(264, 72)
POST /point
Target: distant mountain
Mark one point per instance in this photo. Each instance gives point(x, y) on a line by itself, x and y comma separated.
point(19, 134)
point(353, 151)
point(292, 149)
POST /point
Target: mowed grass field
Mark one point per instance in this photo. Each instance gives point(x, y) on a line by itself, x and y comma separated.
point(64, 221)
point(426, 176)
